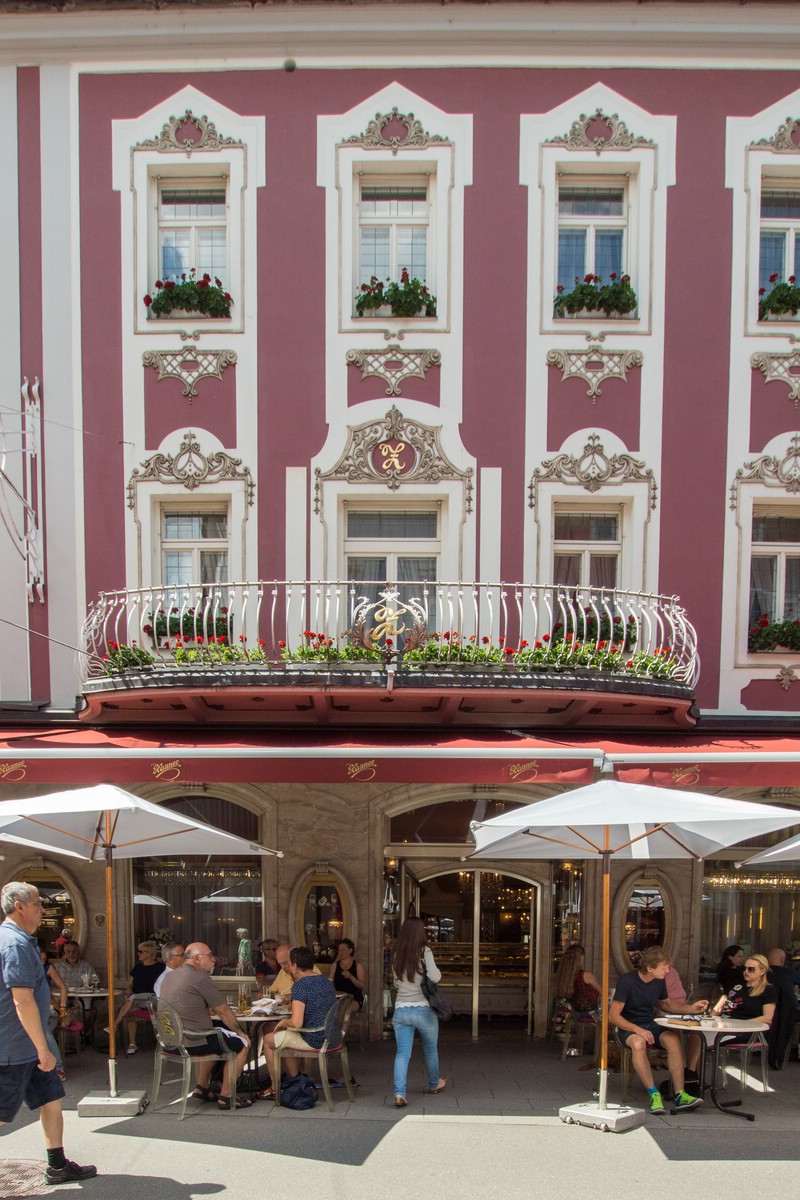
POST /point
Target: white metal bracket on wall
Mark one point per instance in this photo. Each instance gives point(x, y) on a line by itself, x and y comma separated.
point(18, 504)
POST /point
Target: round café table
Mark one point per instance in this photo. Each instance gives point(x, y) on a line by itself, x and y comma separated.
point(712, 1033)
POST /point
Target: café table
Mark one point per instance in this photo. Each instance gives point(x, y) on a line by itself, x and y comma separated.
point(87, 997)
point(712, 1031)
point(254, 1023)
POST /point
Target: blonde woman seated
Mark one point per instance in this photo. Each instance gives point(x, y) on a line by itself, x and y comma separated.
point(753, 1000)
point(575, 984)
point(312, 997)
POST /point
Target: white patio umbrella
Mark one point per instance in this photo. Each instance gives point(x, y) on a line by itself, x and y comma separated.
point(150, 901)
point(227, 896)
point(788, 851)
point(101, 824)
point(622, 820)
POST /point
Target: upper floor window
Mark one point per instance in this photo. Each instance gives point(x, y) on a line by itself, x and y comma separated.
point(779, 243)
point(194, 546)
point(587, 547)
point(775, 564)
point(193, 228)
point(390, 545)
point(592, 229)
point(394, 229)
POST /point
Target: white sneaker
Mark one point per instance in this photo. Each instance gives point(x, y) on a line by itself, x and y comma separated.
point(132, 1050)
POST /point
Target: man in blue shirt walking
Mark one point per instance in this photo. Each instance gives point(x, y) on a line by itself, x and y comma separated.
point(27, 1066)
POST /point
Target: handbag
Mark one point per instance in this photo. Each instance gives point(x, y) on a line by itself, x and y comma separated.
point(434, 995)
point(298, 1092)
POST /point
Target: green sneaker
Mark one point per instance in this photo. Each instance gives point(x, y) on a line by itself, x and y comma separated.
point(657, 1104)
point(684, 1101)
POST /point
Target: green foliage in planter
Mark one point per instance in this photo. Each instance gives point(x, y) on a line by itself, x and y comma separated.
point(317, 648)
point(189, 623)
point(191, 295)
point(616, 296)
point(772, 635)
point(405, 298)
point(122, 658)
point(605, 629)
point(783, 299)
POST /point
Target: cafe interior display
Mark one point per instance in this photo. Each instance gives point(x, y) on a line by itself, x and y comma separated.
point(324, 917)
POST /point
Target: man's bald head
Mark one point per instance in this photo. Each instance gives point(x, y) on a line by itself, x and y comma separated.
point(777, 957)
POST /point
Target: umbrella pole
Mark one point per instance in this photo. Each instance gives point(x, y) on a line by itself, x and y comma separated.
point(112, 1029)
point(606, 955)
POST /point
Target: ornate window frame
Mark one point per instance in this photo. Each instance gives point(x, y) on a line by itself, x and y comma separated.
point(148, 149)
point(640, 148)
point(437, 145)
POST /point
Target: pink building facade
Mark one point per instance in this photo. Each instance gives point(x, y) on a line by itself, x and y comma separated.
point(502, 472)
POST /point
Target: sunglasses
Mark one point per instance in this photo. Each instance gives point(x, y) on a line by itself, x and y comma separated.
point(751, 969)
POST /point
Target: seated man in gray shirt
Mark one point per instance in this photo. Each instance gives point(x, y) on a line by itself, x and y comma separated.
point(192, 993)
point(633, 1010)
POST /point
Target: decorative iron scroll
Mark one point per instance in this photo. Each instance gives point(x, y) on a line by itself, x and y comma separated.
point(374, 136)
point(593, 470)
point(379, 624)
point(207, 136)
point(189, 365)
point(579, 364)
point(190, 468)
point(784, 140)
point(770, 471)
point(782, 367)
point(394, 451)
point(412, 364)
point(619, 136)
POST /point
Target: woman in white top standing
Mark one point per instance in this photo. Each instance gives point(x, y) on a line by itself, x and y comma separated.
point(411, 1009)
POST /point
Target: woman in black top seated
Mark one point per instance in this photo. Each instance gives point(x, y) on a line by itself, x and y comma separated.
point(348, 975)
point(753, 1000)
point(729, 968)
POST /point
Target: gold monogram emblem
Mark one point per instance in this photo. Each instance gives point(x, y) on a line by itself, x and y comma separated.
point(516, 770)
point(167, 772)
point(391, 456)
point(362, 771)
point(11, 772)
point(686, 774)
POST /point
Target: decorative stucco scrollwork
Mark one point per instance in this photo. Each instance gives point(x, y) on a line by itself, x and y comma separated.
point(394, 365)
point(374, 136)
point(394, 451)
point(592, 470)
point(595, 365)
point(786, 677)
point(770, 471)
point(785, 140)
point(619, 136)
point(207, 136)
point(189, 365)
point(782, 367)
point(190, 468)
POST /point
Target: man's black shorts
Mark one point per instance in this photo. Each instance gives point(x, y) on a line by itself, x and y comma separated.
point(24, 1081)
point(211, 1045)
point(656, 1031)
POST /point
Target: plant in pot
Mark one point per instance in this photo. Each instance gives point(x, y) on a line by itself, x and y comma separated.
point(767, 635)
point(783, 299)
point(189, 294)
point(591, 295)
point(408, 298)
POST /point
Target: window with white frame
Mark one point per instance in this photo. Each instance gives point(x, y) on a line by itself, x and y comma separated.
point(775, 563)
point(192, 224)
point(587, 546)
point(592, 229)
point(399, 546)
point(779, 231)
point(194, 545)
point(394, 228)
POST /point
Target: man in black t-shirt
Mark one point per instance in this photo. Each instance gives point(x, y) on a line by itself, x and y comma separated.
point(633, 1009)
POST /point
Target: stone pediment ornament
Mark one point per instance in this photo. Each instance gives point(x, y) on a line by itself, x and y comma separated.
point(782, 367)
point(394, 451)
point(169, 142)
point(619, 136)
point(595, 365)
point(786, 677)
point(189, 365)
point(376, 137)
point(393, 365)
point(771, 472)
point(593, 470)
point(191, 469)
point(785, 140)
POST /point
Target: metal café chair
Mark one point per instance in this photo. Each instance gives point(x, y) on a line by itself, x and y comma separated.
point(745, 1047)
point(168, 1028)
point(334, 1027)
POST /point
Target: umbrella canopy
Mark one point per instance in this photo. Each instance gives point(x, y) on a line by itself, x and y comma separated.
point(151, 901)
point(788, 851)
point(628, 821)
point(102, 823)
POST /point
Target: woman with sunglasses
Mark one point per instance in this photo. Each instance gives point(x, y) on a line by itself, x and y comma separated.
point(753, 1000)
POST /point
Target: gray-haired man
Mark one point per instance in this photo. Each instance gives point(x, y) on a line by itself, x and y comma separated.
point(27, 1066)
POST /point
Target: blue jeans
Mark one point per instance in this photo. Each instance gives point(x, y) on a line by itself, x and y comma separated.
point(425, 1021)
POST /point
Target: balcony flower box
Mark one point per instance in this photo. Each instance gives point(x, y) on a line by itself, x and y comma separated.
point(774, 637)
point(408, 298)
point(781, 302)
point(594, 299)
point(200, 297)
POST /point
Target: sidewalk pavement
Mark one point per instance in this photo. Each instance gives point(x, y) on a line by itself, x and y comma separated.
point(494, 1133)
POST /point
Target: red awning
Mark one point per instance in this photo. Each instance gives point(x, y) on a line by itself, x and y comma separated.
point(80, 755)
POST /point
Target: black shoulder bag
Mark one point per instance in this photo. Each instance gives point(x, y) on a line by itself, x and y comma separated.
point(434, 995)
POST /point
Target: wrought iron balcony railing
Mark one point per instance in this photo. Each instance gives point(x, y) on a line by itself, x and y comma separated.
point(372, 625)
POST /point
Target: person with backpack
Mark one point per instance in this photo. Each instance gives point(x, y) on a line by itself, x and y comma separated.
point(313, 995)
